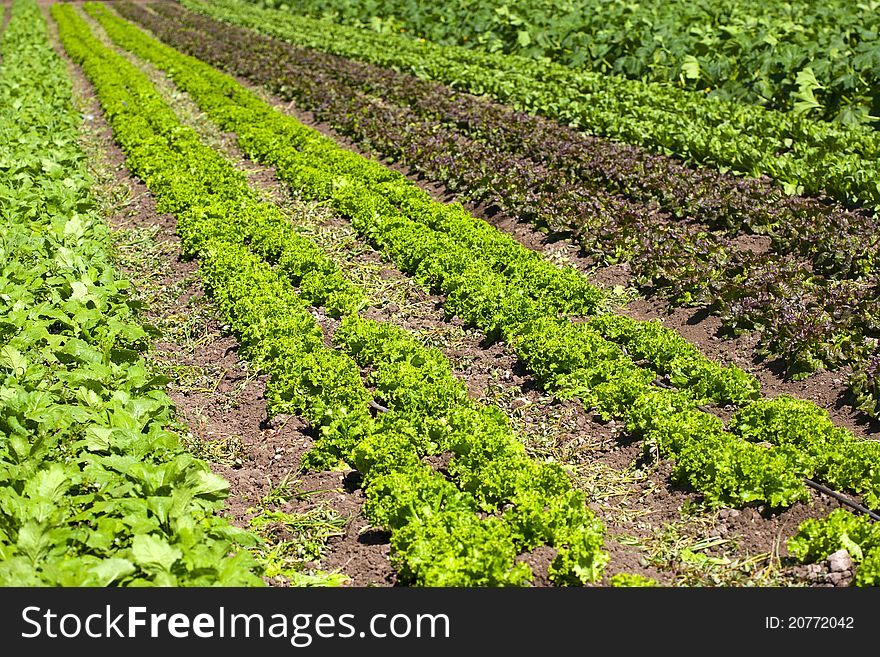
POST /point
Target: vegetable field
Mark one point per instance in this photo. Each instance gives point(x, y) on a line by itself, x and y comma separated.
point(351, 294)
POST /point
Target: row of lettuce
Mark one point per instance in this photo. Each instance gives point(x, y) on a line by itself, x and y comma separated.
point(612, 363)
point(817, 58)
point(801, 153)
point(677, 228)
point(94, 489)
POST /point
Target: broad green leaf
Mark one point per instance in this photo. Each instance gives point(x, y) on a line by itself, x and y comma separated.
point(12, 358)
point(154, 553)
point(112, 570)
point(690, 68)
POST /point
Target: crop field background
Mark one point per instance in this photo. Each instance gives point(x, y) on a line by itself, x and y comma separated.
point(473, 294)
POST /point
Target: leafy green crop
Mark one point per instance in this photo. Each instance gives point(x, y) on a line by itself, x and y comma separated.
point(819, 59)
point(804, 155)
point(865, 384)
point(95, 490)
point(632, 579)
point(827, 451)
point(488, 463)
point(841, 530)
